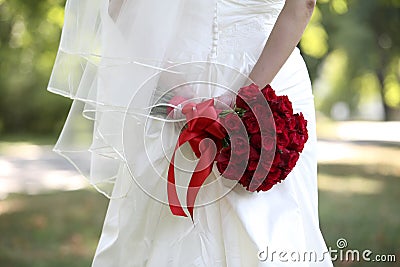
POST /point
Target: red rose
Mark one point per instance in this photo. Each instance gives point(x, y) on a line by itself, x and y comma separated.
point(292, 123)
point(284, 158)
point(247, 95)
point(221, 167)
point(255, 141)
point(280, 124)
point(246, 178)
point(223, 159)
point(268, 126)
point(240, 103)
point(296, 141)
point(240, 161)
point(274, 175)
point(240, 145)
point(283, 140)
point(293, 158)
point(269, 93)
point(276, 137)
point(231, 122)
point(256, 181)
point(252, 166)
point(302, 124)
point(275, 113)
point(251, 123)
point(289, 159)
point(277, 159)
point(285, 105)
point(233, 172)
point(268, 143)
point(254, 155)
point(285, 173)
point(260, 110)
point(264, 118)
point(266, 159)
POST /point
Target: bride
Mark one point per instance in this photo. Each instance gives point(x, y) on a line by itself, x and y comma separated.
point(120, 60)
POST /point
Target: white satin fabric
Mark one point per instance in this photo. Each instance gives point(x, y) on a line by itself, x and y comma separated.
point(114, 59)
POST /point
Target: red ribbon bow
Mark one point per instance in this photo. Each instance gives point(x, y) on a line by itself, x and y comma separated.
point(202, 124)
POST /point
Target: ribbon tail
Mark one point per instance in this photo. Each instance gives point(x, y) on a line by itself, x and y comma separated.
point(173, 200)
point(202, 171)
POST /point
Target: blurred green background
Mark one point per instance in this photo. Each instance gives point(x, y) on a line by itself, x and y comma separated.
point(352, 49)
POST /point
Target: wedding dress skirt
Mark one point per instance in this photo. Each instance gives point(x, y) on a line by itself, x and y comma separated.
point(115, 61)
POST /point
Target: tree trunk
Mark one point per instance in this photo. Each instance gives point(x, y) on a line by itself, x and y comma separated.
point(386, 109)
point(381, 74)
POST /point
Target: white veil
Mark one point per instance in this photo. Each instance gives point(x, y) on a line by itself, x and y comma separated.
point(116, 58)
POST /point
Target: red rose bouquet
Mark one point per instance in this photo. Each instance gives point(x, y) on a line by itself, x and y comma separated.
point(275, 137)
point(258, 141)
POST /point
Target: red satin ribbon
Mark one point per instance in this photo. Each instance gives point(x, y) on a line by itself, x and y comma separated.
point(202, 123)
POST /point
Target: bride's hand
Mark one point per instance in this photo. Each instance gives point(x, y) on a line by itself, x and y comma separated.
point(221, 102)
point(225, 101)
point(175, 111)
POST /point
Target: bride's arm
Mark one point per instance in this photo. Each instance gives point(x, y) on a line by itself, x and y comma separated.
point(114, 7)
point(284, 37)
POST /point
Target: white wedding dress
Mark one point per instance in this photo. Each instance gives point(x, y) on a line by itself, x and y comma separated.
point(114, 59)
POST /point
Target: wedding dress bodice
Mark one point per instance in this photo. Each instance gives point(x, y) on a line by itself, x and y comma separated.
point(243, 24)
point(225, 27)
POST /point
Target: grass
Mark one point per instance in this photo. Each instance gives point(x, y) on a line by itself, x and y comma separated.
point(55, 229)
point(358, 200)
point(366, 219)
point(28, 138)
point(62, 228)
